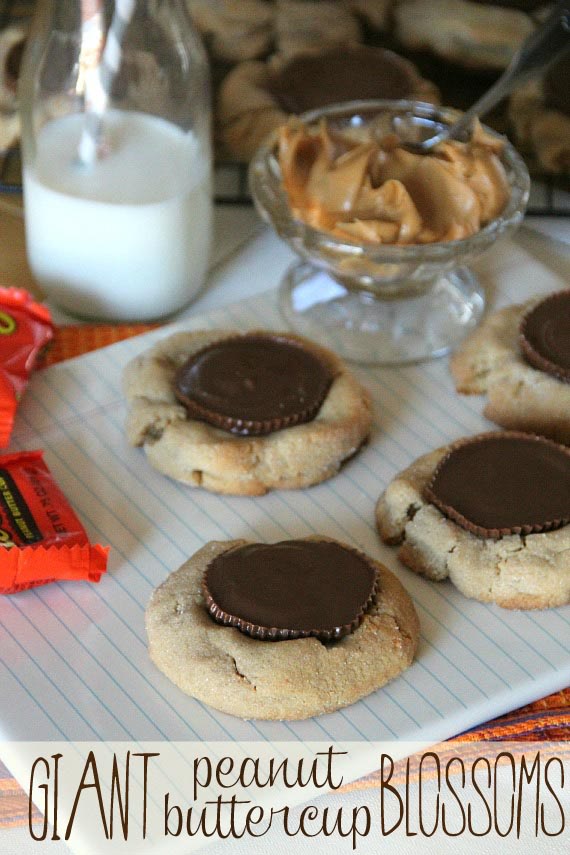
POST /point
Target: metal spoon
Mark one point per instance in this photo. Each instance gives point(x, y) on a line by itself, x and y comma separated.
point(536, 54)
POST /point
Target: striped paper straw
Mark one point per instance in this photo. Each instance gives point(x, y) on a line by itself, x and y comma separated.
point(101, 66)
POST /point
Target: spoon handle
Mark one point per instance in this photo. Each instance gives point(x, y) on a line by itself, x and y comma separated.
point(536, 54)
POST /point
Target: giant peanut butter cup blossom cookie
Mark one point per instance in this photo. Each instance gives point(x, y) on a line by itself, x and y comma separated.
point(490, 513)
point(520, 357)
point(281, 631)
point(244, 413)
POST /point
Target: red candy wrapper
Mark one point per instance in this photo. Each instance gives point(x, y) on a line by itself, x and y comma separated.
point(25, 327)
point(41, 539)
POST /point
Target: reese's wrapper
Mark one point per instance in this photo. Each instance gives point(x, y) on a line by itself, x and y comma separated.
point(25, 328)
point(41, 538)
point(254, 384)
point(292, 589)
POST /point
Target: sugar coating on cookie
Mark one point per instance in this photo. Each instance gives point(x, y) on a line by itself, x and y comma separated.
point(200, 454)
point(519, 396)
point(516, 571)
point(292, 679)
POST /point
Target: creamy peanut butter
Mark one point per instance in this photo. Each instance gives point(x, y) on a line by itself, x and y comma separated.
point(372, 191)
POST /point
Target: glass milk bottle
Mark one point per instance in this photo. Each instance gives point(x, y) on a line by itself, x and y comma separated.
point(116, 148)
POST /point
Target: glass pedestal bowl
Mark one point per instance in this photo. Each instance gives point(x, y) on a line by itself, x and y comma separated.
point(382, 304)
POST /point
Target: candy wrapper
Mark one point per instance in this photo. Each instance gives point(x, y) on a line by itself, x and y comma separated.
point(25, 327)
point(41, 539)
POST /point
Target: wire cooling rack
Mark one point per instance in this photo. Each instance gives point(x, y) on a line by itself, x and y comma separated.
point(550, 196)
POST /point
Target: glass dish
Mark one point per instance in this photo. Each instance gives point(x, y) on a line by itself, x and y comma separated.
point(382, 304)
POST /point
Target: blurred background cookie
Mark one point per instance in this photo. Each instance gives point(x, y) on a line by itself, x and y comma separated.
point(539, 114)
point(234, 30)
point(375, 13)
point(12, 41)
point(472, 34)
point(300, 25)
point(256, 98)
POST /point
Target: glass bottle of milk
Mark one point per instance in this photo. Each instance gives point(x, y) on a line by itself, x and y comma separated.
point(122, 234)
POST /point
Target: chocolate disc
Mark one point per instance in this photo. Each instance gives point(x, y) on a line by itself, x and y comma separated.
point(253, 384)
point(309, 81)
point(545, 336)
point(504, 483)
point(292, 589)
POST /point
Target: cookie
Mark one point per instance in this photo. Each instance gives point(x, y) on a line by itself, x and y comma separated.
point(519, 396)
point(9, 130)
point(515, 571)
point(200, 454)
point(539, 115)
point(290, 679)
point(257, 97)
point(234, 30)
point(376, 13)
point(12, 43)
point(463, 32)
point(299, 26)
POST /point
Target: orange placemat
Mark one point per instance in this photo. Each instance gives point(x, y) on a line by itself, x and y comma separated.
point(545, 720)
point(75, 340)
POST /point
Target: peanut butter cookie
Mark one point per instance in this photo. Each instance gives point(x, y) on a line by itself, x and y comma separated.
point(520, 396)
point(289, 679)
point(472, 536)
point(237, 422)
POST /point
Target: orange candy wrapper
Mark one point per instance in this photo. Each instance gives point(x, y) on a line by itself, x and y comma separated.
point(41, 538)
point(25, 328)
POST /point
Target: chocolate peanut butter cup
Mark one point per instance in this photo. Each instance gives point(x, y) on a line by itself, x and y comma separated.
point(505, 483)
point(312, 80)
point(254, 384)
point(545, 336)
point(292, 589)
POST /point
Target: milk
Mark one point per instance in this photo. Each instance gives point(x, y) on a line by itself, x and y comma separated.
point(128, 237)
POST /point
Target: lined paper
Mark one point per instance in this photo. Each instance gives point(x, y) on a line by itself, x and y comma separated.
point(73, 656)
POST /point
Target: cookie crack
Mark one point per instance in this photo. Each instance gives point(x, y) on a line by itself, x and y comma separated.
point(412, 510)
point(242, 676)
point(153, 434)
